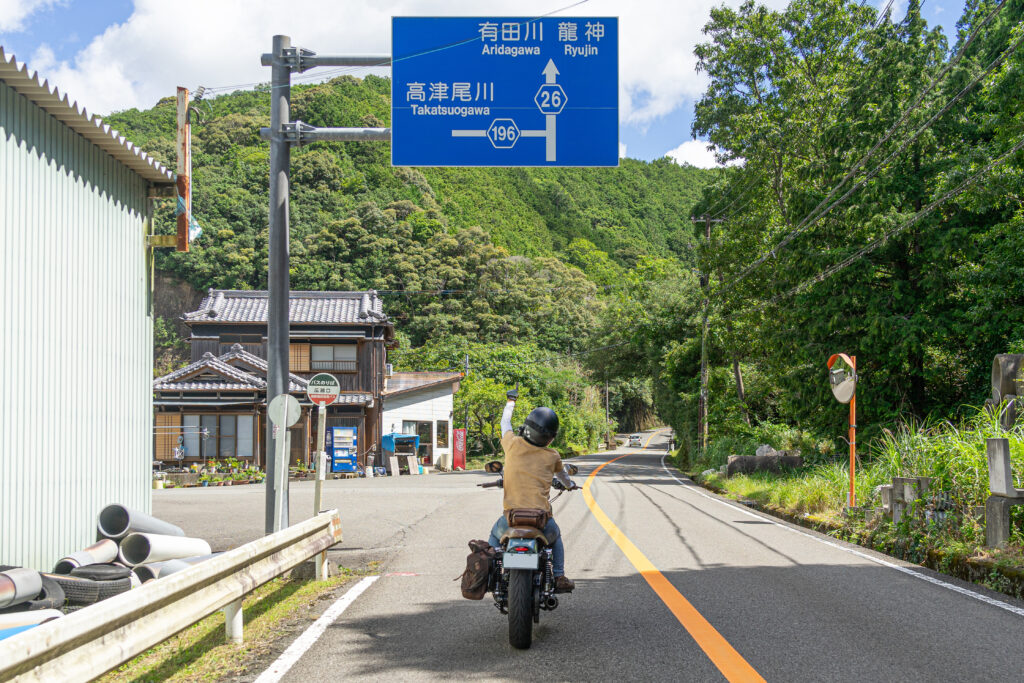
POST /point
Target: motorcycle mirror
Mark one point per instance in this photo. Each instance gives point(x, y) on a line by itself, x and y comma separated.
point(572, 469)
point(494, 467)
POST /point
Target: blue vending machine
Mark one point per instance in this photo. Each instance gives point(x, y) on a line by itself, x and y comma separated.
point(342, 449)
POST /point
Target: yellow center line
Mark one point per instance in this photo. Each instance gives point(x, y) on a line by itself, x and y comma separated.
point(651, 437)
point(719, 651)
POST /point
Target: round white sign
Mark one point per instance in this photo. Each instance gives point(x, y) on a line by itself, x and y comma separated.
point(284, 410)
point(323, 389)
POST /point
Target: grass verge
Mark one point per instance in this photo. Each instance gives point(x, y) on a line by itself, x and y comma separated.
point(202, 653)
point(954, 547)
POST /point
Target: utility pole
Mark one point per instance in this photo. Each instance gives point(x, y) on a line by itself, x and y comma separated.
point(607, 422)
point(184, 171)
point(466, 375)
point(705, 285)
point(282, 134)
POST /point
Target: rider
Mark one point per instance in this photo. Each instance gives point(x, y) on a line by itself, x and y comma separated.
point(529, 466)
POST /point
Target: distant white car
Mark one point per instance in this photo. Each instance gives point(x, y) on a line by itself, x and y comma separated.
point(634, 441)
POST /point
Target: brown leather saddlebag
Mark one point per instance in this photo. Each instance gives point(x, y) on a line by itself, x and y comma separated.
point(531, 517)
point(476, 578)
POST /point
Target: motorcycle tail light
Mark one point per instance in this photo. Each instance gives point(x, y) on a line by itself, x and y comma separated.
point(521, 549)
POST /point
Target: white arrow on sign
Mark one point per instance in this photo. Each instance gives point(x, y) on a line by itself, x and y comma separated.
point(550, 72)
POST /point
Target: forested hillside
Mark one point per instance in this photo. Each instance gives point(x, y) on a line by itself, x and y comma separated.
point(877, 212)
point(509, 266)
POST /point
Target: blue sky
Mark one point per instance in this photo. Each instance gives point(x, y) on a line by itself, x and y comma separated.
point(115, 54)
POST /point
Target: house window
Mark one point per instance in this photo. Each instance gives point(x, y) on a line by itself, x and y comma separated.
point(228, 426)
point(218, 436)
point(192, 438)
point(333, 358)
point(442, 433)
point(245, 433)
point(208, 423)
point(424, 430)
point(298, 357)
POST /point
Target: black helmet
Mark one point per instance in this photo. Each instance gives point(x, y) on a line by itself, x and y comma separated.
point(541, 426)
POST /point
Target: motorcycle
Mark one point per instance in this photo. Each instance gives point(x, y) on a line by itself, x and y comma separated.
point(522, 578)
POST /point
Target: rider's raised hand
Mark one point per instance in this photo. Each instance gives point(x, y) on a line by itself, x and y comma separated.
point(512, 394)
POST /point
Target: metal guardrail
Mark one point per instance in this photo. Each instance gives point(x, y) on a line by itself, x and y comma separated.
point(85, 644)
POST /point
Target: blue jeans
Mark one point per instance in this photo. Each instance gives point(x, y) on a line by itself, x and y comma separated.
point(551, 531)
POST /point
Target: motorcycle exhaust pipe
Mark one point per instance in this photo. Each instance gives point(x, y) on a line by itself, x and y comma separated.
point(551, 602)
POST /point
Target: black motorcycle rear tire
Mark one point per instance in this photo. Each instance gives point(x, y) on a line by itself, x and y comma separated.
point(520, 608)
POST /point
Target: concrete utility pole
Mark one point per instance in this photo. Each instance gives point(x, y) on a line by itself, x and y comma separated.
point(705, 285)
point(282, 134)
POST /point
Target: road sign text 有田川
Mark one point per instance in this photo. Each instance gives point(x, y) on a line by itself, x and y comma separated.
point(505, 91)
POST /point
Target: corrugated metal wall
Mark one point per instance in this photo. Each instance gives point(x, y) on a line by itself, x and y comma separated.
point(75, 336)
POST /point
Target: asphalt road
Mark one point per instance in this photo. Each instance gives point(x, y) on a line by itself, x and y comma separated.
point(673, 583)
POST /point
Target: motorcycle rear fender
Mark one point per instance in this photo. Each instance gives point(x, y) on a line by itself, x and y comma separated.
point(519, 558)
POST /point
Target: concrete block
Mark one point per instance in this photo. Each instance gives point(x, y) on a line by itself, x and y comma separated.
point(997, 519)
point(746, 464)
point(1007, 373)
point(886, 491)
point(1000, 473)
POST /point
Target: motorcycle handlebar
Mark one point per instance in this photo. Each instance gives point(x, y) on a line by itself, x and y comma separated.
point(490, 484)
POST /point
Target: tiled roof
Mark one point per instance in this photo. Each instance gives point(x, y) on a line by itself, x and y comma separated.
point(250, 306)
point(234, 378)
point(74, 116)
point(400, 382)
point(237, 353)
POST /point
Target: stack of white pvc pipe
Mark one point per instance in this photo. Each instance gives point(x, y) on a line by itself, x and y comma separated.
point(117, 521)
point(139, 548)
point(101, 552)
point(18, 586)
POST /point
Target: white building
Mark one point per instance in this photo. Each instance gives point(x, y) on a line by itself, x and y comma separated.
point(422, 403)
point(76, 326)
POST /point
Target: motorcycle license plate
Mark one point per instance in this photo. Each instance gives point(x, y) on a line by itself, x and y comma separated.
point(520, 560)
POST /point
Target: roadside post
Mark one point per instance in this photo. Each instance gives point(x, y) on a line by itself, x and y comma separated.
point(323, 390)
point(844, 388)
point(283, 411)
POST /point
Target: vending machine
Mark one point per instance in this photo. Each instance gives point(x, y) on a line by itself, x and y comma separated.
point(343, 449)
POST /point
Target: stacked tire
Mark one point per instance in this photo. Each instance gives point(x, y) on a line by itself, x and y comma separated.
point(83, 586)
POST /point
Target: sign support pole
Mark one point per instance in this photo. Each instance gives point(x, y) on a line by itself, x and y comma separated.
point(853, 439)
point(277, 279)
point(321, 458)
point(282, 134)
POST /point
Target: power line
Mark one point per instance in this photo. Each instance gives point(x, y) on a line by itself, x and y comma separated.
point(352, 69)
point(815, 214)
point(886, 236)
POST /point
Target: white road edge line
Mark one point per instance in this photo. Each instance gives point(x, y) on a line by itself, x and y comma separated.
point(287, 660)
point(930, 579)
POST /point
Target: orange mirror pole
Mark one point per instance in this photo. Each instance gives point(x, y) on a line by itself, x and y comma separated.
point(853, 437)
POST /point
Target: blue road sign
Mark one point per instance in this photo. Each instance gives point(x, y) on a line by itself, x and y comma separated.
point(505, 91)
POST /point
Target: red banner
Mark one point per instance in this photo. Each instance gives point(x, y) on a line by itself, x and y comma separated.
point(459, 452)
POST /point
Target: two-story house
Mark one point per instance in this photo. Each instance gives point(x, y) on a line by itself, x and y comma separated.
point(215, 407)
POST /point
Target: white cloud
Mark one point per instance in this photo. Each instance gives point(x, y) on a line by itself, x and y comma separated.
point(696, 153)
point(622, 150)
point(197, 42)
point(13, 13)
